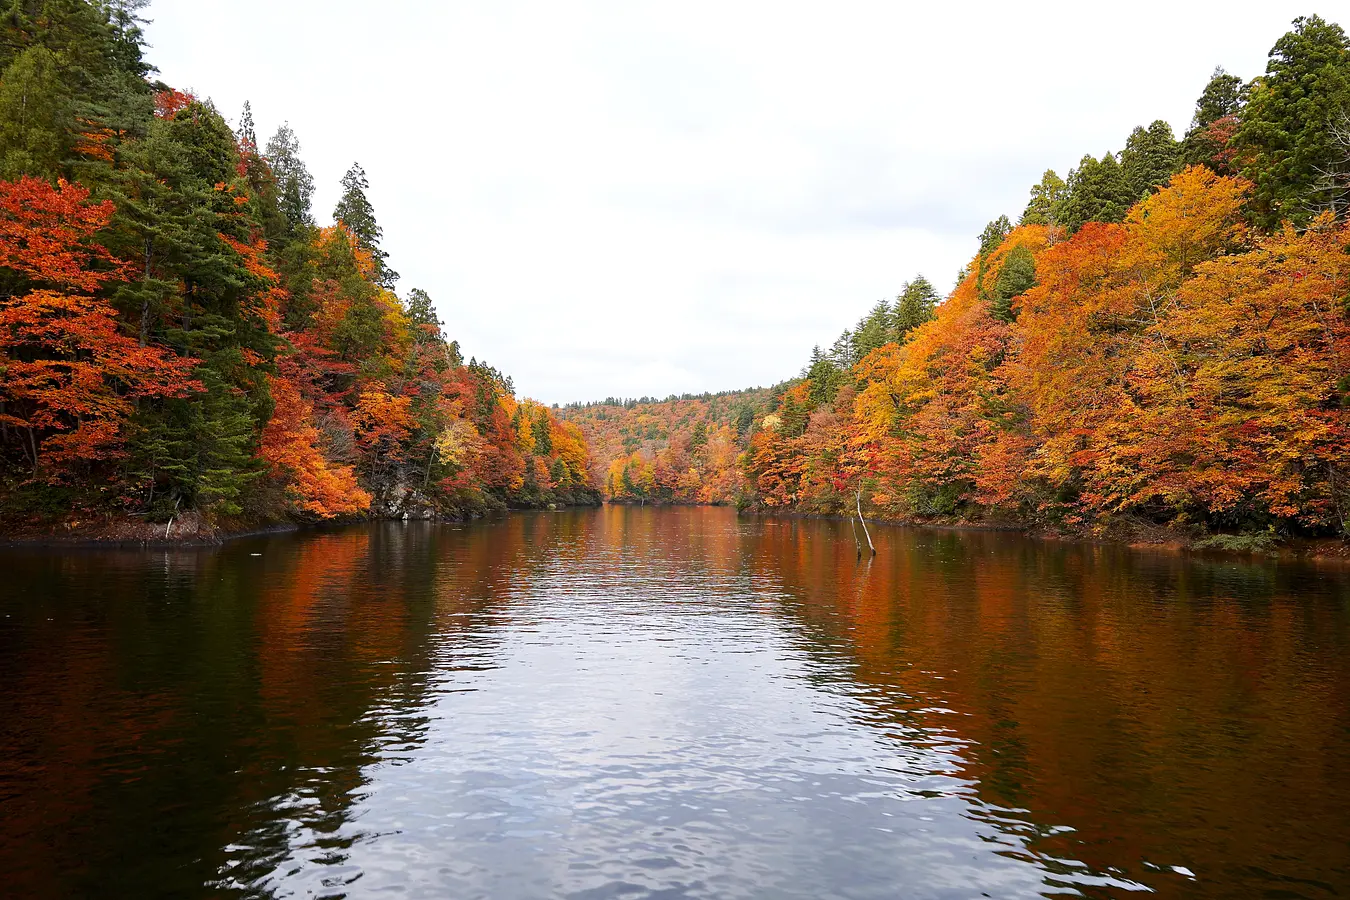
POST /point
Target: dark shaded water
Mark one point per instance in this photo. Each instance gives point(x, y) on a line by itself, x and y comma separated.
point(670, 703)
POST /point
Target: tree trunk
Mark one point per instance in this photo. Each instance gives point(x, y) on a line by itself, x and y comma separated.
point(864, 524)
point(145, 304)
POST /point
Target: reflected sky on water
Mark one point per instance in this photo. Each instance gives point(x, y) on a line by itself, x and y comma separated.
point(670, 703)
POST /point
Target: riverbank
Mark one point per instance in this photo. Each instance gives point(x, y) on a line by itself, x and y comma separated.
point(188, 530)
point(194, 530)
point(1134, 535)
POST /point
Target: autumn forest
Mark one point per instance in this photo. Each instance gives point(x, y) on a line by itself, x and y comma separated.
point(185, 350)
point(1158, 344)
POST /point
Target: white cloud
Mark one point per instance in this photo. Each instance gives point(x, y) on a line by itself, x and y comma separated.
point(625, 199)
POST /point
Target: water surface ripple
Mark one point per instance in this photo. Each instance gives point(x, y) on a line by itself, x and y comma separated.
point(636, 703)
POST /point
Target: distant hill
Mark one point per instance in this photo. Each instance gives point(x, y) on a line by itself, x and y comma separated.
point(682, 449)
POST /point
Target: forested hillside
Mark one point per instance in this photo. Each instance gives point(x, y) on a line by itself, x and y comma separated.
point(678, 450)
point(184, 345)
point(1162, 340)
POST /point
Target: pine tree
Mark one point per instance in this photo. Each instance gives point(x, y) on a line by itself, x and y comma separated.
point(795, 417)
point(841, 351)
point(209, 144)
point(128, 37)
point(75, 30)
point(1150, 158)
point(421, 311)
point(261, 180)
point(1098, 192)
point(826, 378)
point(1016, 277)
point(1047, 197)
point(159, 224)
point(543, 438)
point(916, 305)
point(873, 330)
point(993, 235)
point(1287, 125)
point(176, 213)
point(248, 135)
point(202, 452)
point(990, 240)
point(429, 347)
point(1222, 97)
point(295, 186)
point(355, 211)
point(36, 121)
point(99, 89)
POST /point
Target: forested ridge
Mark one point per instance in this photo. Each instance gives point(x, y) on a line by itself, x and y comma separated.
point(683, 449)
point(1161, 339)
point(1160, 344)
point(182, 342)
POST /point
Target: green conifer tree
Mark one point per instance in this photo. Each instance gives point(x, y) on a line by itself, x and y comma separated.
point(1047, 198)
point(1098, 192)
point(1288, 123)
point(826, 378)
point(421, 311)
point(1016, 277)
point(263, 183)
point(1221, 98)
point(295, 186)
point(543, 437)
point(125, 20)
point(873, 330)
point(1150, 159)
point(36, 121)
point(355, 211)
point(993, 235)
point(916, 305)
point(990, 239)
point(795, 418)
point(175, 199)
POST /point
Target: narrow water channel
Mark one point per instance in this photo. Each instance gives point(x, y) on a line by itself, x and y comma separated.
point(670, 703)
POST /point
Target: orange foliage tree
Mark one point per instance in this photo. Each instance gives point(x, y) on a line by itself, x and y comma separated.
point(1175, 368)
point(71, 375)
point(293, 449)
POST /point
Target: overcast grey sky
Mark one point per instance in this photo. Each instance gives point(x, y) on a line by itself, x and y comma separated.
point(628, 198)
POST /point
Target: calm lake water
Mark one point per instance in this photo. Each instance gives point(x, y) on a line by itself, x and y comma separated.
point(670, 703)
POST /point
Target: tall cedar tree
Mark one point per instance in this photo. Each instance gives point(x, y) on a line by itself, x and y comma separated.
point(1288, 125)
point(355, 211)
point(1047, 201)
point(295, 185)
point(1150, 159)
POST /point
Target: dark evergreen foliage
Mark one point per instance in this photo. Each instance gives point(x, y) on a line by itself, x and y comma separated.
point(1287, 134)
point(1098, 192)
point(1047, 199)
point(1016, 277)
point(355, 211)
point(916, 305)
point(1151, 157)
point(294, 184)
